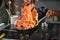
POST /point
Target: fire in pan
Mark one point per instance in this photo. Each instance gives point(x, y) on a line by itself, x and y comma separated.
point(31, 30)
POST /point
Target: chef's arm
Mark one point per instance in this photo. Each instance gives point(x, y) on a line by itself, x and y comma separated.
point(57, 13)
point(52, 13)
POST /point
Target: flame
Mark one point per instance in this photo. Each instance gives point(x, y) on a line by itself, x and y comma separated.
point(26, 0)
point(28, 18)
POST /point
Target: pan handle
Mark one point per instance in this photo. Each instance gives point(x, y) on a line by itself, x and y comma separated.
point(42, 19)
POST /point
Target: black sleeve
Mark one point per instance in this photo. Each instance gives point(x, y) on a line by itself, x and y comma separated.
point(40, 14)
point(45, 12)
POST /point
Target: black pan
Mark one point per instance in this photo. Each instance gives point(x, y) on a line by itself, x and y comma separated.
point(31, 30)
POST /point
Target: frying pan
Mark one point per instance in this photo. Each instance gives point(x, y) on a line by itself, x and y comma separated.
point(31, 30)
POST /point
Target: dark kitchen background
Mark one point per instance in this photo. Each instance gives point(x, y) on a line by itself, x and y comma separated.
point(15, 6)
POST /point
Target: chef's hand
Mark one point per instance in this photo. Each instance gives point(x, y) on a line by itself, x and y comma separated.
point(50, 14)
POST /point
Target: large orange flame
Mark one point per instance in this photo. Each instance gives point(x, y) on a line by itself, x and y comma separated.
point(26, 0)
point(28, 18)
